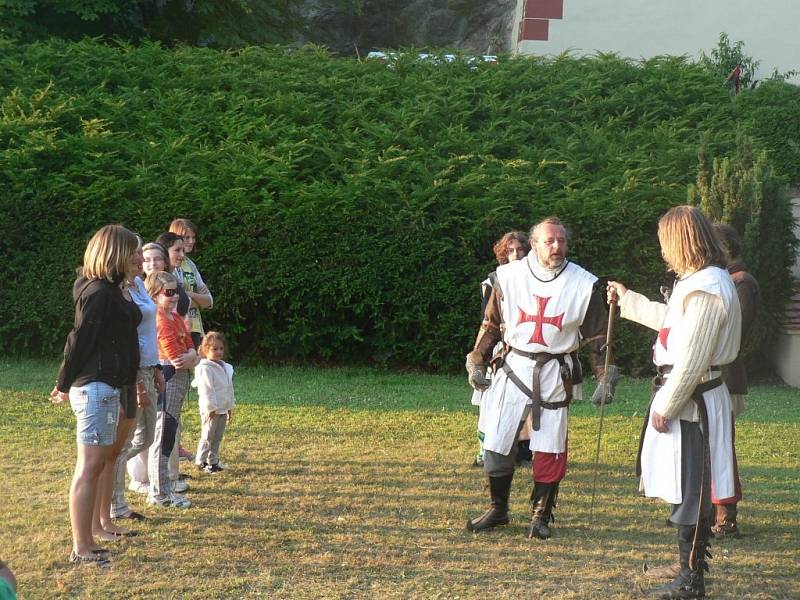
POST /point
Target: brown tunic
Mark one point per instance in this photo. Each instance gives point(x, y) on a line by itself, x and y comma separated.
point(735, 374)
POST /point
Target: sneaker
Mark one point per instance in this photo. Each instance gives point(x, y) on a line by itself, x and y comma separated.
point(184, 454)
point(212, 469)
point(179, 486)
point(178, 501)
point(162, 501)
point(140, 487)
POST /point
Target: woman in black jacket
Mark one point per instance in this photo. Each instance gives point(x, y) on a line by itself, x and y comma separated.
point(101, 357)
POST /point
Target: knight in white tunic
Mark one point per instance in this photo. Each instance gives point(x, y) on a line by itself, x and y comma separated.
point(688, 421)
point(546, 307)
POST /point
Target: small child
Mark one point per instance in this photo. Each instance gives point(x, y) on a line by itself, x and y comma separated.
point(213, 378)
point(177, 356)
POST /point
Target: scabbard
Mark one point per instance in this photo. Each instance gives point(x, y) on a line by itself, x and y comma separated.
point(536, 398)
point(533, 393)
point(702, 507)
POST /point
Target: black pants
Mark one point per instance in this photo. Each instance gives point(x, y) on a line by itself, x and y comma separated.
point(692, 442)
point(498, 465)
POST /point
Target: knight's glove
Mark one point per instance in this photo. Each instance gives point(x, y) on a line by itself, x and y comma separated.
point(477, 372)
point(606, 387)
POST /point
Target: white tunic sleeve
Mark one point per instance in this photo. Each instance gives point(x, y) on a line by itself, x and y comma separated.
point(636, 307)
point(697, 335)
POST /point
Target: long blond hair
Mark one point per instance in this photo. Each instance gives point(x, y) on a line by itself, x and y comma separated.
point(688, 241)
point(108, 254)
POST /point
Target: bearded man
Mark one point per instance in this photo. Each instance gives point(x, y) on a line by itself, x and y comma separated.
point(542, 306)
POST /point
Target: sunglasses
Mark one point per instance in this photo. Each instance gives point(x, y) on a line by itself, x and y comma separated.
point(170, 292)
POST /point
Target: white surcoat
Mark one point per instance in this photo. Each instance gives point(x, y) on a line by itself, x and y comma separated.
point(661, 452)
point(538, 316)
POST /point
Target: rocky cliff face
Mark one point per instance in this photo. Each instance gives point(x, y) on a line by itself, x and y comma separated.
point(478, 26)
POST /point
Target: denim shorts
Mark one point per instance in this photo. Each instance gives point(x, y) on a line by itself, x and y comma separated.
point(96, 408)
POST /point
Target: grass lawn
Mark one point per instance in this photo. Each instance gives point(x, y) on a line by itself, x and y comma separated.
point(354, 483)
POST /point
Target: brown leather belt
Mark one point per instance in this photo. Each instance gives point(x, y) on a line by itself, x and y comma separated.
point(667, 369)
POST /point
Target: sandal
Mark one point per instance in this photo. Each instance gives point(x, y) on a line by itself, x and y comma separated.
point(95, 560)
point(123, 533)
point(133, 516)
point(100, 551)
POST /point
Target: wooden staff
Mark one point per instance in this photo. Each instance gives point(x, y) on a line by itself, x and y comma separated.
point(612, 306)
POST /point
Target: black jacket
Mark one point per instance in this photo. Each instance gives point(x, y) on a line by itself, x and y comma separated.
point(103, 344)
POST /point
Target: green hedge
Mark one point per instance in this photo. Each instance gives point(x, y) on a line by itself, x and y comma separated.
point(347, 210)
point(771, 114)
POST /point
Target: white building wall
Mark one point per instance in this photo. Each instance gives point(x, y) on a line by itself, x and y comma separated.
point(770, 29)
point(796, 215)
point(787, 347)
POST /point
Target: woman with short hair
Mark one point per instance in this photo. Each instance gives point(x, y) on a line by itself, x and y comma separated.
point(101, 356)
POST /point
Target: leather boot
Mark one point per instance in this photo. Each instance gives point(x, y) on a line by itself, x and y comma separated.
point(725, 523)
point(689, 583)
point(524, 454)
point(665, 572)
point(543, 500)
point(499, 489)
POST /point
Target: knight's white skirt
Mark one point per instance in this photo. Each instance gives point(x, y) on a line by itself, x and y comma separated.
point(503, 405)
point(661, 452)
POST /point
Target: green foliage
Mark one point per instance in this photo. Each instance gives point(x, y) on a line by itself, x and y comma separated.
point(744, 192)
point(347, 210)
point(770, 114)
point(726, 56)
point(217, 23)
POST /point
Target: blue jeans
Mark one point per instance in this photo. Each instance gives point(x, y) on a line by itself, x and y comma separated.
point(96, 408)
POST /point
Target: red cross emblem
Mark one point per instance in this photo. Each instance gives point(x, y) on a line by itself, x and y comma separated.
point(663, 336)
point(539, 319)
